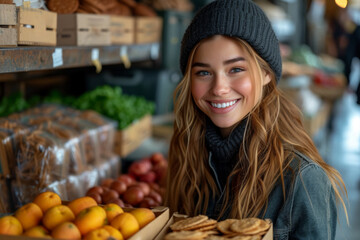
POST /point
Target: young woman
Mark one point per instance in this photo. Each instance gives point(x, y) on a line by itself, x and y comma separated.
point(239, 148)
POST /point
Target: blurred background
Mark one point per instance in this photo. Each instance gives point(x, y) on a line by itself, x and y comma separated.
point(129, 79)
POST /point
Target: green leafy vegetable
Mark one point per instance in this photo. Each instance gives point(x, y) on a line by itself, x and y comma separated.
point(112, 103)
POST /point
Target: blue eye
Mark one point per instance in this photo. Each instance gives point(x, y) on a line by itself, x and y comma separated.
point(236, 70)
point(202, 73)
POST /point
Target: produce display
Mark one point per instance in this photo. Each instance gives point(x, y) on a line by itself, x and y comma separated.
point(50, 142)
point(47, 216)
point(202, 227)
point(112, 103)
point(141, 186)
point(106, 100)
point(12, 103)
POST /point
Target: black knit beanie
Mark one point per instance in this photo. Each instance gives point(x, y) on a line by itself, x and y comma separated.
point(234, 18)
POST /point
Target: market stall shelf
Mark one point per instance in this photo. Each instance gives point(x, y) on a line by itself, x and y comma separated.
point(31, 58)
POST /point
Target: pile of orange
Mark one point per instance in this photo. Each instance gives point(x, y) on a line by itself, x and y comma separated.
point(48, 217)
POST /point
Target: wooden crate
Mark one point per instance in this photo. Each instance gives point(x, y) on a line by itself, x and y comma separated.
point(83, 30)
point(148, 29)
point(122, 30)
point(127, 140)
point(36, 27)
point(8, 34)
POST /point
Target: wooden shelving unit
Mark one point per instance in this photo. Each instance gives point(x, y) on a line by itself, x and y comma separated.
point(33, 58)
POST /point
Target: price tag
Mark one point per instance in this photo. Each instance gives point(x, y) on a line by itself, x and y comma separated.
point(57, 57)
point(95, 59)
point(124, 57)
point(154, 51)
point(95, 54)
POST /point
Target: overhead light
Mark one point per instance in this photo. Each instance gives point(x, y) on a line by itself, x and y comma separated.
point(341, 3)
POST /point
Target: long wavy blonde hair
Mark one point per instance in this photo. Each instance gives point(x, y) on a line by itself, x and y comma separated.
point(274, 131)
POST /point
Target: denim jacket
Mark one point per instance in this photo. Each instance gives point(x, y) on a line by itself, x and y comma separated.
point(309, 210)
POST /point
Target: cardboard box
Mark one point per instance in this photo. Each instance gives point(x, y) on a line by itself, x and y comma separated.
point(176, 217)
point(129, 139)
point(8, 33)
point(36, 27)
point(122, 30)
point(148, 232)
point(148, 29)
point(152, 229)
point(83, 30)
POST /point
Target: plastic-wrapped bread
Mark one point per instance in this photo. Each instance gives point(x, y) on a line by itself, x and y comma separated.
point(49, 143)
point(40, 161)
point(70, 141)
point(105, 131)
point(5, 206)
point(87, 138)
point(10, 132)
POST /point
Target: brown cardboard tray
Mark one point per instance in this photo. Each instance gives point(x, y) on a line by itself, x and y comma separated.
point(152, 229)
point(148, 232)
point(176, 217)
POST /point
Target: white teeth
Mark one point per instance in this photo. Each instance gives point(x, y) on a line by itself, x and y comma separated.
point(223, 105)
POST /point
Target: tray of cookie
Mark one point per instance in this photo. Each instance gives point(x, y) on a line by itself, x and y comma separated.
point(183, 227)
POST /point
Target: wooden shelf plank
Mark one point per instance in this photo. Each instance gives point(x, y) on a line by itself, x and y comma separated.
point(33, 58)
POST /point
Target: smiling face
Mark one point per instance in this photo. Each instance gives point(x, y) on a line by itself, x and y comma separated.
point(222, 82)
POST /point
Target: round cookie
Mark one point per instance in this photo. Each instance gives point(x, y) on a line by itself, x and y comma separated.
point(188, 222)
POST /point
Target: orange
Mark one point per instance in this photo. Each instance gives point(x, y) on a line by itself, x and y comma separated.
point(66, 230)
point(112, 210)
point(29, 215)
point(97, 234)
point(126, 223)
point(143, 216)
point(38, 232)
point(79, 204)
point(114, 233)
point(90, 219)
point(10, 225)
point(56, 215)
point(46, 200)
